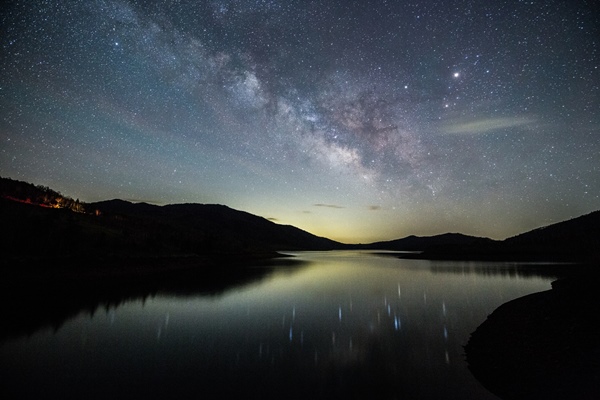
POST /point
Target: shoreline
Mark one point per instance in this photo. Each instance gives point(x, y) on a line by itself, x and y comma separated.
point(543, 345)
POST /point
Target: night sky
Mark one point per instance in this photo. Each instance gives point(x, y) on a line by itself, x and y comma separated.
point(355, 120)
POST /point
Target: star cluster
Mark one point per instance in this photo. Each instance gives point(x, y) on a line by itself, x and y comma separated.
point(359, 121)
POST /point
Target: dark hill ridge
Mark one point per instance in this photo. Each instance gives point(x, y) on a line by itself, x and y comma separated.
point(43, 223)
point(118, 227)
point(583, 230)
point(577, 239)
point(118, 206)
point(422, 243)
point(219, 223)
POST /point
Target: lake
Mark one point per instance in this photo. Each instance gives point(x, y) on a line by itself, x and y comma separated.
point(344, 324)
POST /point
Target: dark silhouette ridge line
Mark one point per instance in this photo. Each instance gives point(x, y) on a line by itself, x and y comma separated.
point(120, 228)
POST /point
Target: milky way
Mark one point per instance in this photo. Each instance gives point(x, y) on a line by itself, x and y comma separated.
point(359, 121)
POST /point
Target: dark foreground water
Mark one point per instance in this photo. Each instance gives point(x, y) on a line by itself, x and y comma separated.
point(340, 325)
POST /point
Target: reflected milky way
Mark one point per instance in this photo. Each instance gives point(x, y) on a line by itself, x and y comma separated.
point(399, 117)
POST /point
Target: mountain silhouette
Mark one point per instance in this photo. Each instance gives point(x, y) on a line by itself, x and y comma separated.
point(577, 240)
point(44, 223)
point(571, 236)
point(217, 226)
point(422, 243)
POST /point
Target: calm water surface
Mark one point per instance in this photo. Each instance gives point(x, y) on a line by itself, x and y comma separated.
point(341, 325)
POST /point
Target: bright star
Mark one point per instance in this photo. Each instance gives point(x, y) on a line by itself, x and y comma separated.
point(456, 74)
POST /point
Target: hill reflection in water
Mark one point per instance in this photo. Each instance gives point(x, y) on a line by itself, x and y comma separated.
point(29, 303)
point(338, 325)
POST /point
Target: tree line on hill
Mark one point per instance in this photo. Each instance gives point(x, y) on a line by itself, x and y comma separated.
point(38, 195)
point(118, 228)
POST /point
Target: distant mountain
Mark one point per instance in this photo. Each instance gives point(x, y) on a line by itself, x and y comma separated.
point(41, 222)
point(574, 239)
point(217, 224)
point(580, 232)
point(423, 243)
point(577, 239)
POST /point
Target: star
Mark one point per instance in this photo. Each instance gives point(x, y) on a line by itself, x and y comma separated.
point(234, 95)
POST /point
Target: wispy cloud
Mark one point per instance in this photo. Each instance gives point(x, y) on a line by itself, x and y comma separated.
point(484, 125)
point(327, 205)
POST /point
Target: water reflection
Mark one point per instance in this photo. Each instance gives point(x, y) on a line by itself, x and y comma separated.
point(508, 269)
point(32, 303)
point(344, 325)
